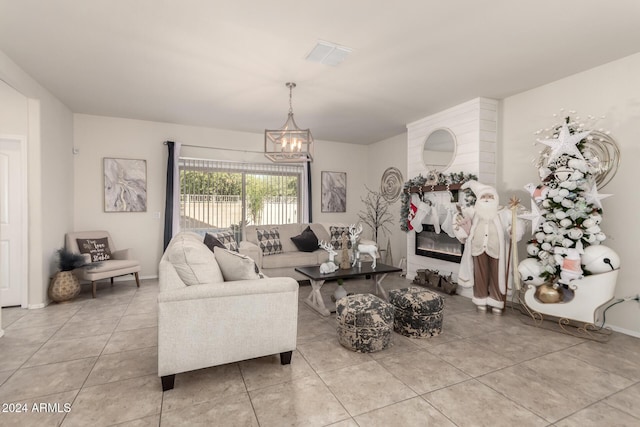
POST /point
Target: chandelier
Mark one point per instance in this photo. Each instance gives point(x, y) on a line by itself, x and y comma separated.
point(289, 144)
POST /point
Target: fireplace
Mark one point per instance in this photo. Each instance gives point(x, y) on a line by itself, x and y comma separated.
point(438, 245)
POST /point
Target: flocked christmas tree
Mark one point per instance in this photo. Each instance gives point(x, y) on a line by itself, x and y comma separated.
point(566, 207)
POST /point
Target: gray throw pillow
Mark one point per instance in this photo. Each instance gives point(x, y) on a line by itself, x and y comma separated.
point(235, 266)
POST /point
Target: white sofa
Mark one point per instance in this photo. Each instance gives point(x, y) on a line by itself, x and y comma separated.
point(284, 264)
point(205, 321)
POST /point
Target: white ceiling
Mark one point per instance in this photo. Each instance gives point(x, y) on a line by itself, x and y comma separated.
point(224, 63)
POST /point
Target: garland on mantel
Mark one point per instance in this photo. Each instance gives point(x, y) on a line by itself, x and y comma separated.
point(433, 178)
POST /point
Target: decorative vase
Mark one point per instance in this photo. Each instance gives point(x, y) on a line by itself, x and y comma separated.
point(345, 263)
point(548, 294)
point(340, 292)
point(64, 286)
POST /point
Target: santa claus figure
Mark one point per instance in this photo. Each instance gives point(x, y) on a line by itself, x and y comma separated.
point(484, 229)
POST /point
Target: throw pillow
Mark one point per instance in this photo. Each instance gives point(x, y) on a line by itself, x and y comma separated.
point(269, 241)
point(227, 238)
point(235, 266)
point(212, 242)
point(98, 249)
point(193, 261)
point(336, 236)
point(306, 241)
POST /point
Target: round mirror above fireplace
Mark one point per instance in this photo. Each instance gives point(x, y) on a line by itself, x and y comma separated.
point(439, 150)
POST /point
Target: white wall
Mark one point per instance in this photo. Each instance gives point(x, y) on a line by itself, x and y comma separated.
point(612, 90)
point(97, 137)
point(50, 176)
point(339, 157)
point(382, 155)
point(14, 112)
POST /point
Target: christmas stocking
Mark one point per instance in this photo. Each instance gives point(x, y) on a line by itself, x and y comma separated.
point(432, 216)
point(447, 225)
point(417, 212)
point(413, 208)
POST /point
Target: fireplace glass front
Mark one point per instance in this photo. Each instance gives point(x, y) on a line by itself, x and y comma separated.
point(438, 245)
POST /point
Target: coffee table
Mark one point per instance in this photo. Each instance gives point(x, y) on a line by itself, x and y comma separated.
point(317, 279)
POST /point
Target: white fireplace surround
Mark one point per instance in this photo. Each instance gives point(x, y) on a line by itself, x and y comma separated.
point(474, 124)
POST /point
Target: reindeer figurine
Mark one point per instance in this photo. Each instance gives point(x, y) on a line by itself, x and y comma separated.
point(359, 249)
point(327, 246)
point(330, 266)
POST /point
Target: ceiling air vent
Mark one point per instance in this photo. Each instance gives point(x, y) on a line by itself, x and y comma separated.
point(328, 53)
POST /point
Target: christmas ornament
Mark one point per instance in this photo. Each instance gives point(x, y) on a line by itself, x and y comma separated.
point(563, 173)
point(535, 216)
point(570, 267)
point(593, 197)
point(565, 143)
point(600, 259)
point(530, 271)
point(537, 192)
point(533, 249)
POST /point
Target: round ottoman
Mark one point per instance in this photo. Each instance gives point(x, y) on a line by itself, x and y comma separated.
point(418, 312)
point(365, 323)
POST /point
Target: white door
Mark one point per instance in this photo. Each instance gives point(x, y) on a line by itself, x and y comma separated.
point(11, 222)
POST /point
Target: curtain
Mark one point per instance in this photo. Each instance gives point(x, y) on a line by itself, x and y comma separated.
point(306, 194)
point(172, 195)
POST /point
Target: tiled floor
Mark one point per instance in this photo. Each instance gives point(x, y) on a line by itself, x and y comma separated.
point(99, 358)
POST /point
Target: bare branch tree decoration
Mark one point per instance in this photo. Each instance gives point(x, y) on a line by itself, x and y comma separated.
point(376, 214)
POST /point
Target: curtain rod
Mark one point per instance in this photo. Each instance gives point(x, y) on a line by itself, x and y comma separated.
point(218, 148)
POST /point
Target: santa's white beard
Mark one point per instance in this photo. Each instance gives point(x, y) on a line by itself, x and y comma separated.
point(486, 209)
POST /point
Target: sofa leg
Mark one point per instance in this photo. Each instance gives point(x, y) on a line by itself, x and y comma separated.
point(285, 358)
point(168, 381)
point(112, 282)
point(93, 288)
point(137, 278)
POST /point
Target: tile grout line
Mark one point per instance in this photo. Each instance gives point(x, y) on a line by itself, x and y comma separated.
point(96, 361)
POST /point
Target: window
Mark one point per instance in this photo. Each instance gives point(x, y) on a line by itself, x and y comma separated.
point(222, 195)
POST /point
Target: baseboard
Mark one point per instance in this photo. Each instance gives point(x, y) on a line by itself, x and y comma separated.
point(624, 331)
point(128, 278)
point(36, 306)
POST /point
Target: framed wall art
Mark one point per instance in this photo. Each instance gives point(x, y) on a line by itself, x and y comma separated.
point(125, 185)
point(333, 196)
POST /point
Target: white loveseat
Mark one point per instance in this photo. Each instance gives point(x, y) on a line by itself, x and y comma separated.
point(205, 321)
point(284, 263)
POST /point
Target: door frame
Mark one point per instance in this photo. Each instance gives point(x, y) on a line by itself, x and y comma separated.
point(24, 206)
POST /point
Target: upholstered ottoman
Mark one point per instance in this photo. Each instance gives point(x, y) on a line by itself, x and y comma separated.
point(365, 323)
point(418, 312)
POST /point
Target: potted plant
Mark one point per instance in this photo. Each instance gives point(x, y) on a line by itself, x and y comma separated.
point(64, 284)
